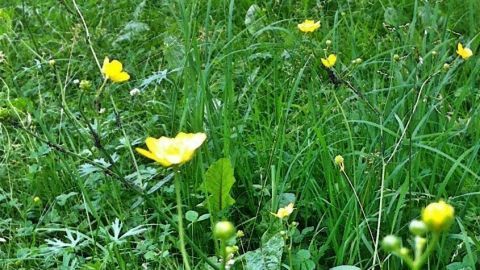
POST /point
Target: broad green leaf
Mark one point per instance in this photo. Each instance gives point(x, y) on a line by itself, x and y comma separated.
point(5, 22)
point(302, 260)
point(219, 180)
point(269, 256)
point(191, 216)
point(345, 267)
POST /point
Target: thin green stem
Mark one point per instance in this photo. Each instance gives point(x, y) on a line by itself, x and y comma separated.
point(181, 231)
point(417, 264)
point(223, 252)
point(100, 90)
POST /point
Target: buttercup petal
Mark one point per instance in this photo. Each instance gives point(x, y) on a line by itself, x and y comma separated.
point(115, 66)
point(106, 61)
point(192, 140)
point(120, 77)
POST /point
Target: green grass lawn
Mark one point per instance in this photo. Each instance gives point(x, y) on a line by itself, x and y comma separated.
point(400, 106)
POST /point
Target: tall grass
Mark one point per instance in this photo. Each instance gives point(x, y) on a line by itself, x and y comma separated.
point(407, 127)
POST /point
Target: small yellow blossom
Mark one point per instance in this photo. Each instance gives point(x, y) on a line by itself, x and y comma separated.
point(36, 199)
point(339, 161)
point(465, 53)
point(330, 61)
point(51, 62)
point(438, 216)
point(114, 71)
point(173, 151)
point(308, 26)
point(284, 212)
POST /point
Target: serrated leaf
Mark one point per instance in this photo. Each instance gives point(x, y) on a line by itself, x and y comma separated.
point(219, 180)
point(62, 199)
point(131, 30)
point(253, 19)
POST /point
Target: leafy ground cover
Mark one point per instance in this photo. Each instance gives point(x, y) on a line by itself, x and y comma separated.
point(313, 161)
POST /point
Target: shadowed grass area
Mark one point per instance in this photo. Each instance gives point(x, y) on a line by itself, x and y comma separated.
point(399, 105)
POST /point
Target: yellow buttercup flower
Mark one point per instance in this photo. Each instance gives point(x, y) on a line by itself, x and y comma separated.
point(438, 216)
point(114, 71)
point(308, 26)
point(173, 151)
point(465, 53)
point(330, 61)
point(284, 212)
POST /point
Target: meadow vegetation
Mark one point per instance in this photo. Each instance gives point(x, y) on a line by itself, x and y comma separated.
point(222, 134)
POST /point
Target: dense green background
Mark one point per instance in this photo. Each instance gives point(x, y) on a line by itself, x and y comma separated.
point(265, 102)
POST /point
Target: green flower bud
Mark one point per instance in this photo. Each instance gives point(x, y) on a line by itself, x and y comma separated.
point(85, 85)
point(223, 230)
point(231, 250)
point(417, 227)
point(391, 243)
point(404, 251)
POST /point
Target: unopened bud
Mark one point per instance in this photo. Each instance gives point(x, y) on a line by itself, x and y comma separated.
point(391, 243)
point(404, 251)
point(231, 250)
point(223, 230)
point(134, 92)
point(85, 85)
point(417, 227)
point(339, 161)
point(240, 234)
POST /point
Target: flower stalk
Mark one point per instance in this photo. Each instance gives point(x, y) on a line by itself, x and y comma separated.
point(181, 231)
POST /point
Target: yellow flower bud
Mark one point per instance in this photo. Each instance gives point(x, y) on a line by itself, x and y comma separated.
point(339, 161)
point(328, 42)
point(438, 216)
point(36, 199)
point(240, 234)
point(446, 66)
point(396, 57)
point(51, 62)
